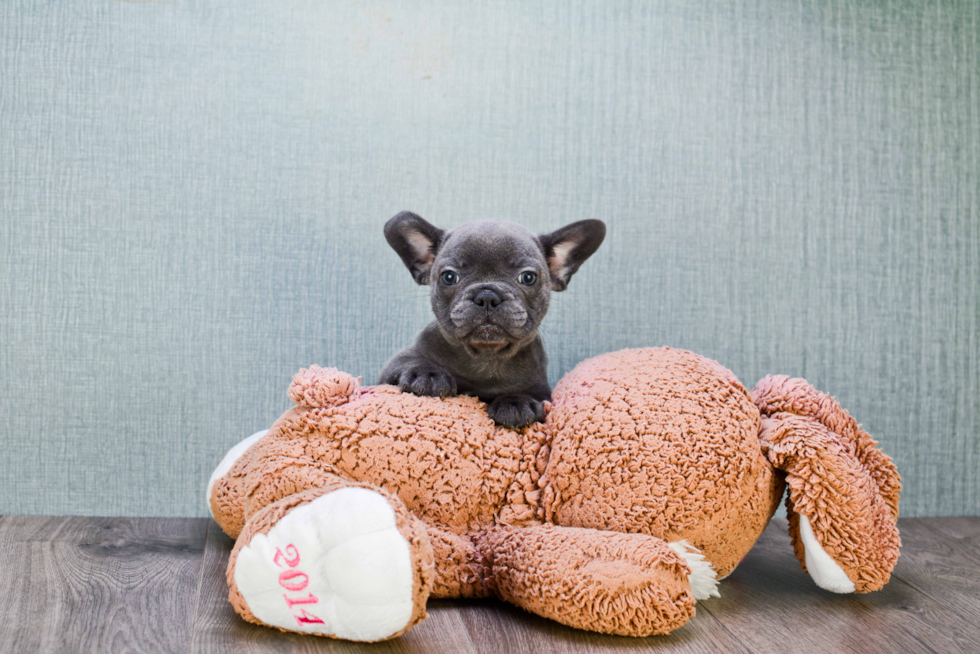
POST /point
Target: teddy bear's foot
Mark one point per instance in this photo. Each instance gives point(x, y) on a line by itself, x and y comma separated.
point(346, 562)
point(842, 503)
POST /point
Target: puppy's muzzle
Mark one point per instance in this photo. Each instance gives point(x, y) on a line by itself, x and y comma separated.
point(489, 313)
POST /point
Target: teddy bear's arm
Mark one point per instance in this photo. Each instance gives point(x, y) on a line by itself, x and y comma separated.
point(616, 583)
point(843, 491)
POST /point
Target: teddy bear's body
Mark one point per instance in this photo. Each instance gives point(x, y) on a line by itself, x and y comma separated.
point(648, 480)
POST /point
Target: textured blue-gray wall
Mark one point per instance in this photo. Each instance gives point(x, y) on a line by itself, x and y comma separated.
point(192, 199)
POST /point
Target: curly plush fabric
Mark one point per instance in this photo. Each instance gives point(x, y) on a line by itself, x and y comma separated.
point(646, 481)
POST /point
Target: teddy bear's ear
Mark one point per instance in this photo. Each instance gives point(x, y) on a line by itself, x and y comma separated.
point(416, 242)
point(567, 248)
point(318, 387)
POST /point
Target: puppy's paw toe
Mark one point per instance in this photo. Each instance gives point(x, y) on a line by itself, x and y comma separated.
point(427, 380)
point(515, 411)
point(442, 384)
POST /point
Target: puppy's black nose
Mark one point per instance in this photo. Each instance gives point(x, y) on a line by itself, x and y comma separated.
point(487, 299)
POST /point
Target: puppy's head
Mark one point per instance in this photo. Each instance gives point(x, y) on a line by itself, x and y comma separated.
point(490, 280)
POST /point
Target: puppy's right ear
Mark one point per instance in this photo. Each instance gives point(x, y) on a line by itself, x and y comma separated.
point(567, 248)
point(416, 242)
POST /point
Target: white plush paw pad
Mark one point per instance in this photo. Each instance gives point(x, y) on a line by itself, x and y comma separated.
point(337, 566)
point(822, 568)
point(230, 458)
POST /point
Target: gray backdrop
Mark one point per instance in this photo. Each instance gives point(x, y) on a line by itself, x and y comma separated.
point(192, 199)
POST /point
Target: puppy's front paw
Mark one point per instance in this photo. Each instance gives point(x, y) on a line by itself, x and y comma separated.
point(515, 411)
point(425, 379)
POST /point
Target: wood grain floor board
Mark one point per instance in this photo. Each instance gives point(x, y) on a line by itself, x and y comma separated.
point(960, 527)
point(941, 559)
point(98, 584)
point(770, 604)
point(496, 626)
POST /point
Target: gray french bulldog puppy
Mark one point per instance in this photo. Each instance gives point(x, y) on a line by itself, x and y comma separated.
point(490, 283)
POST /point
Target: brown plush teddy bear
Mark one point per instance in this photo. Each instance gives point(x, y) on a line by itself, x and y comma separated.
point(651, 478)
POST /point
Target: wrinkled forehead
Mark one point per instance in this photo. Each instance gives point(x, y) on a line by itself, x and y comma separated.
point(490, 242)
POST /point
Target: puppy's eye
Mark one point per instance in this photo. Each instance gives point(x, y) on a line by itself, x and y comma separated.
point(527, 278)
point(449, 278)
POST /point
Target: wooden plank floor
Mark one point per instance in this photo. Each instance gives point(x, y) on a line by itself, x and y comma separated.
point(158, 585)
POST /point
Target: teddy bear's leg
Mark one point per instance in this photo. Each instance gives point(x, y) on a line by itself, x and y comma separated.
point(346, 560)
point(615, 583)
point(842, 503)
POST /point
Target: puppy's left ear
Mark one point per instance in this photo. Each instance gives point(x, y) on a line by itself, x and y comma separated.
point(416, 242)
point(567, 248)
